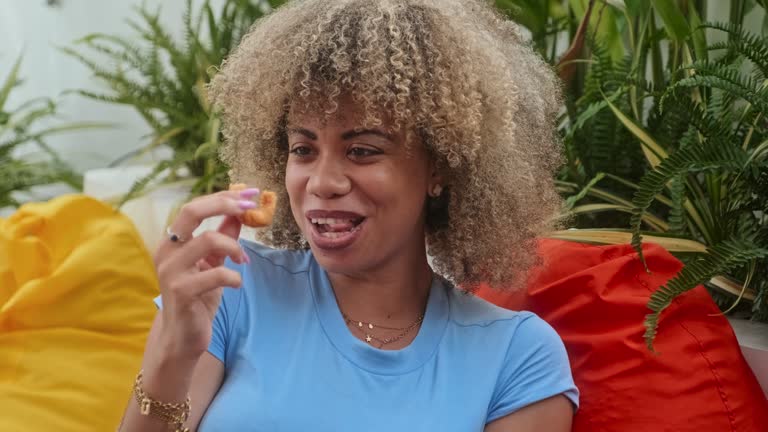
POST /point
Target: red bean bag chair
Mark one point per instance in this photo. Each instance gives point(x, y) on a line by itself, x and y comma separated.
point(595, 297)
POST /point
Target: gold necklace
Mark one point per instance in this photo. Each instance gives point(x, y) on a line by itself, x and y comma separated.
point(371, 326)
point(361, 326)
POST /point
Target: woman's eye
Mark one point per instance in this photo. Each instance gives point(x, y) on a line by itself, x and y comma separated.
point(301, 151)
point(359, 152)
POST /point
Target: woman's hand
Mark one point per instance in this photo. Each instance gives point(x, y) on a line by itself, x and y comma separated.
point(191, 271)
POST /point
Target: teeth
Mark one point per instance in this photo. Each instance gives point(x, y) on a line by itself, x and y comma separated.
point(329, 221)
point(331, 234)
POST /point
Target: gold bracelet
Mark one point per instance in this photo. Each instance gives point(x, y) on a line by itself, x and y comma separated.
point(175, 414)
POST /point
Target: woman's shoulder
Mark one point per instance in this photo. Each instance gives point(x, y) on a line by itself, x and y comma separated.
point(467, 309)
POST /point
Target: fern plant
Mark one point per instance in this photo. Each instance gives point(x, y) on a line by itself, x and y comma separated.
point(164, 80)
point(723, 163)
point(672, 149)
point(706, 148)
point(20, 126)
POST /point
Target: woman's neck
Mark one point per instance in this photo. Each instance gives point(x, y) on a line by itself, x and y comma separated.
point(395, 293)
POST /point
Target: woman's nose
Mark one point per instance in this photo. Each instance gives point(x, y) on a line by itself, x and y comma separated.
point(328, 179)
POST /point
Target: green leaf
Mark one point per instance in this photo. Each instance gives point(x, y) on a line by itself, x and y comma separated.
point(592, 110)
point(10, 82)
point(699, 38)
point(727, 285)
point(572, 200)
point(760, 152)
point(750, 45)
point(73, 127)
point(637, 7)
point(205, 149)
point(23, 120)
point(674, 20)
point(654, 222)
point(671, 243)
point(661, 198)
point(712, 154)
point(726, 79)
point(609, 197)
point(654, 153)
point(720, 259)
point(140, 185)
point(677, 213)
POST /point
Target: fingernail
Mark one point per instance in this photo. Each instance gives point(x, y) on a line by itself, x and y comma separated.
point(245, 205)
point(246, 258)
point(249, 193)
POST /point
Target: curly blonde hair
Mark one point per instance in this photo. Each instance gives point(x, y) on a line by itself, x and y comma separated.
point(454, 71)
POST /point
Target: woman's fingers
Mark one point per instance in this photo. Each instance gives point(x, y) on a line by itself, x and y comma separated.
point(227, 203)
point(202, 265)
point(209, 246)
point(231, 227)
point(196, 284)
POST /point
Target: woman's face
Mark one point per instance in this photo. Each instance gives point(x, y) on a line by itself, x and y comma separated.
point(357, 195)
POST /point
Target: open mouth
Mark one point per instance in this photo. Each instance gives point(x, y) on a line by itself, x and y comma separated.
point(335, 227)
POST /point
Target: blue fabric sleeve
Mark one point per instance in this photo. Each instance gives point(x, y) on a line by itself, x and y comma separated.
point(225, 317)
point(536, 368)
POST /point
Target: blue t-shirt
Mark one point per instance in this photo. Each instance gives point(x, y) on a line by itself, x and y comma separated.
point(293, 365)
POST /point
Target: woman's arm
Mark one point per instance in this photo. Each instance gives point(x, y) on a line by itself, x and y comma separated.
point(166, 380)
point(552, 415)
point(192, 274)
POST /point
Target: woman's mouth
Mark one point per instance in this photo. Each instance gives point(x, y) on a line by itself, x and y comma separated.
point(336, 227)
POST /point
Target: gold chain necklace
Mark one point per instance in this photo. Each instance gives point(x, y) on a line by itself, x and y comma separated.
point(361, 326)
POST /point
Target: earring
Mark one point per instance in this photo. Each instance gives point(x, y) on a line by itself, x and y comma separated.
point(436, 191)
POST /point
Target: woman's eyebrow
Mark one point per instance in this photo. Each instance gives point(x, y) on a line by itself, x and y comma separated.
point(345, 136)
point(356, 133)
point(306, 132)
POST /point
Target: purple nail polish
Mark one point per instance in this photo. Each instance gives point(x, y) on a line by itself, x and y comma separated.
point(249, 193)
point(246, 205)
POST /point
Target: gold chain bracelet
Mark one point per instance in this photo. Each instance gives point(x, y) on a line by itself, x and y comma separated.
point(175, 414)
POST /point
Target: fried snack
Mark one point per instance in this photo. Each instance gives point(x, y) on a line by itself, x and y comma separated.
point(261, 216)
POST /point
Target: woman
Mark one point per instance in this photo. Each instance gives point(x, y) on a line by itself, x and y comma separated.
point(380, 124)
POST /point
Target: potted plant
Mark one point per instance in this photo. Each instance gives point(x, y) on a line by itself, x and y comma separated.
point(19, 175)
point(164, 80)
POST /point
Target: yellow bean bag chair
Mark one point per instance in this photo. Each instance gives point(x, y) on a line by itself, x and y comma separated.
point(76, 284)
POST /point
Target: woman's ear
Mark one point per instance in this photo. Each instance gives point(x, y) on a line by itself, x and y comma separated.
point(435, 185)
point(435, 181)
point(435, 190)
